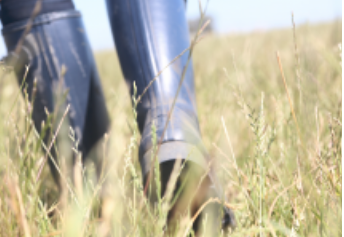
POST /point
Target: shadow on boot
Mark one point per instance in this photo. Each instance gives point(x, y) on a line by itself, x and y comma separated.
point(191, 196)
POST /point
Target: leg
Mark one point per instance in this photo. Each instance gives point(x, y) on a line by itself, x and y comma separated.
point(58, 39)
point(149, 34)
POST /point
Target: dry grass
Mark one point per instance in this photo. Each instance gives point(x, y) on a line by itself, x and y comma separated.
point(281, 182)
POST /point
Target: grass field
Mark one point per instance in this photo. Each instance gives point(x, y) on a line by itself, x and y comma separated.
point(279, 161)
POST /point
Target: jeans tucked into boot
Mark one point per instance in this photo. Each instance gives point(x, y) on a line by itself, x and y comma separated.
point(59, 39)
point(149, 35)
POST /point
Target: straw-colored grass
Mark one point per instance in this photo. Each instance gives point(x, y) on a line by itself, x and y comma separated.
point(276, 144)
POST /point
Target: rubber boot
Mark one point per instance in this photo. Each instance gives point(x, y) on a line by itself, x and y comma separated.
point(57, 40)
point(149, 35)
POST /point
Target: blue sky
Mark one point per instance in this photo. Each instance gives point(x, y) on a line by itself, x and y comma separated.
point(228, 16)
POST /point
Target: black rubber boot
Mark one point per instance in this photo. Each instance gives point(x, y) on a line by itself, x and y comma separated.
point(58, 39)
point(148, 35)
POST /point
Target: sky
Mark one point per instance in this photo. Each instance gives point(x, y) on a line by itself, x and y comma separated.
point(229, 16)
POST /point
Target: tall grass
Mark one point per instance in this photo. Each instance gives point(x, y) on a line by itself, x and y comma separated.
point(279, 181)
